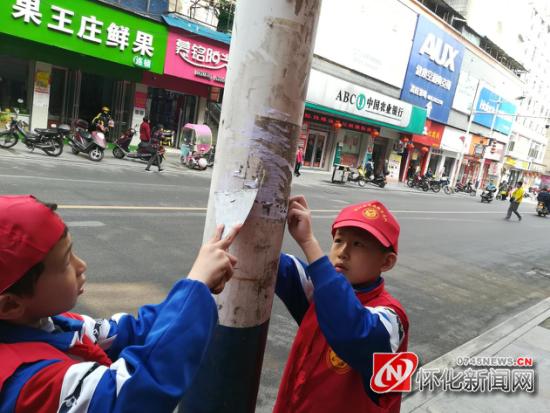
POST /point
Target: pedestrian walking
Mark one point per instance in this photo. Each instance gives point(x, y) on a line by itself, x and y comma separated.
point(515, 199)
point(299, 160)
point(156, 157)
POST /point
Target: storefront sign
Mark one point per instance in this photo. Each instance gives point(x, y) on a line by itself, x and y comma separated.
point(477, 146)
point(432, 135)
point(42, 81)
point(495, 151)
point(89, 28)
point(433, 70)
point(516, 163)
point(454, 140)
point(196, 59)
point(340, 97)
point(355, 43)
point(490, 105)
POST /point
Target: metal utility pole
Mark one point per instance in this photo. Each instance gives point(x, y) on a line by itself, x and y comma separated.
point(269, 64)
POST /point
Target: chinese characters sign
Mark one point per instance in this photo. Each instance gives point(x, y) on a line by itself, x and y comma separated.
point(89, 28)
point(364, 104)
point(433, 71)
point(199, 60)
point(431, 136)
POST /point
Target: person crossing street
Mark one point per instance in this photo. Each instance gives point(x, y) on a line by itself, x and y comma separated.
point(515, 199)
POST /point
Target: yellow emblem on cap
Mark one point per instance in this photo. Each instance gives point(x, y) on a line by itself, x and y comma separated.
point(370, 212)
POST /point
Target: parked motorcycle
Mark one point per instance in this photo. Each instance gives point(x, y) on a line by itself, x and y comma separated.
point(468, 188)
point(358, 175)
point(49, 140)
point(487, 196)
point(419, 181)
point(542, 211)
point(91, 143)
point(143, 153)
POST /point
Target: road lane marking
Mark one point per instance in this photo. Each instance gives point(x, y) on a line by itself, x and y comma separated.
point(88, 181)
point(131, 208)
point(89, 224)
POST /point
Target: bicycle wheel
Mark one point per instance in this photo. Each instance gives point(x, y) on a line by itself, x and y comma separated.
point(436, 187)
point(410, 183)
point(473, 192)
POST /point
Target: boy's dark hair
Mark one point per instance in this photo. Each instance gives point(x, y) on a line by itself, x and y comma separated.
point(25, 285)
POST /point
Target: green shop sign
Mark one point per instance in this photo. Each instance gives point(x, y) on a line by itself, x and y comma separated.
point(89, 28)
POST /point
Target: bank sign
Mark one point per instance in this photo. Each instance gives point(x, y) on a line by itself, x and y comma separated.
point(433, 70)
point(488, 106)
point(89, 28)
point(333, 95)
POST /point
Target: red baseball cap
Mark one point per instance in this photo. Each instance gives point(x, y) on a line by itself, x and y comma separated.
point(373, 217)
point(28, 231)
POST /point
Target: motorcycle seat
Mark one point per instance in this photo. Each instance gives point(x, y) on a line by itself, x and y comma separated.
point(46, 132)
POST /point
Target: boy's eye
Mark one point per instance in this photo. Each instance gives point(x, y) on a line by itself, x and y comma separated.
point(337, 240)
point(358, 244)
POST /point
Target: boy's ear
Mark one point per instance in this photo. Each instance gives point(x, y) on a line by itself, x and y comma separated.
point(11, 307)
point(389, 261)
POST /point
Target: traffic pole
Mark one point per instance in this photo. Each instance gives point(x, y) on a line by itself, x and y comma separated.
point(269, 64)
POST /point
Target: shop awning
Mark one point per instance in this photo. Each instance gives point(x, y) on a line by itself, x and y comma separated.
point(182, 23)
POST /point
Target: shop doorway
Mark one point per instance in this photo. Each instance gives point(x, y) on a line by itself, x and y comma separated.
point(315, 149)
point(58, 107)
point(379, 155)
point(95, 92)
point(173, 110)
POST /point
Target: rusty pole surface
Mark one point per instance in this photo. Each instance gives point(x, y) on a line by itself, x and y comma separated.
point(269, 64)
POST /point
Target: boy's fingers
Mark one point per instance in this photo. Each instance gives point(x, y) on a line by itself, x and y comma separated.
point(218, 234)
point(227, 241)
point(232, 259)
point(297, 205)
point(300, 199)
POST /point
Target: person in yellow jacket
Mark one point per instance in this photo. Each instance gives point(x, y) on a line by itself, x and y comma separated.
point(515, 199)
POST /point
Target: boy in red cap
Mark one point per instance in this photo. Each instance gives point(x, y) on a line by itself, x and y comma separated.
point(343, 309)
point(56, 361)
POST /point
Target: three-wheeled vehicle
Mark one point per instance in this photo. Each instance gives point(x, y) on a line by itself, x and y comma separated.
point(197, 151)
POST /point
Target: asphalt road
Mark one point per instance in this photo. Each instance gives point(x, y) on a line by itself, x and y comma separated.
point(462, 269)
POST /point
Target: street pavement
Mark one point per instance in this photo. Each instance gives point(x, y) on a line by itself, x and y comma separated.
point(462, 272)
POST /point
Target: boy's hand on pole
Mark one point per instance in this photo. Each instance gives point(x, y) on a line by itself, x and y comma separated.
point(299, 219)
point(214, 265)
point(299, 226)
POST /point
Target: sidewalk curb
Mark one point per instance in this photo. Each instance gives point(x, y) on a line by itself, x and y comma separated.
point(486, 344)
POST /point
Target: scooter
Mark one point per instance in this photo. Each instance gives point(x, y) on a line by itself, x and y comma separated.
point(122, 144)
point(49, 140)
point(378, 180)
point(91, 143)
point(143, 153)
point(487, 196)
point(542, 211)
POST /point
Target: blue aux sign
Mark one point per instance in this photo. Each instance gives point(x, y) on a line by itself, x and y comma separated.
point(488, 106)
point(434, 67)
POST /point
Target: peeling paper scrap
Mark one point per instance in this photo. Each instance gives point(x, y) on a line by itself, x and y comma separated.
point(232, 208)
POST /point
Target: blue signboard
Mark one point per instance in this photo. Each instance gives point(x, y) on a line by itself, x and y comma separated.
point(433, 70)
point(489, 104)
